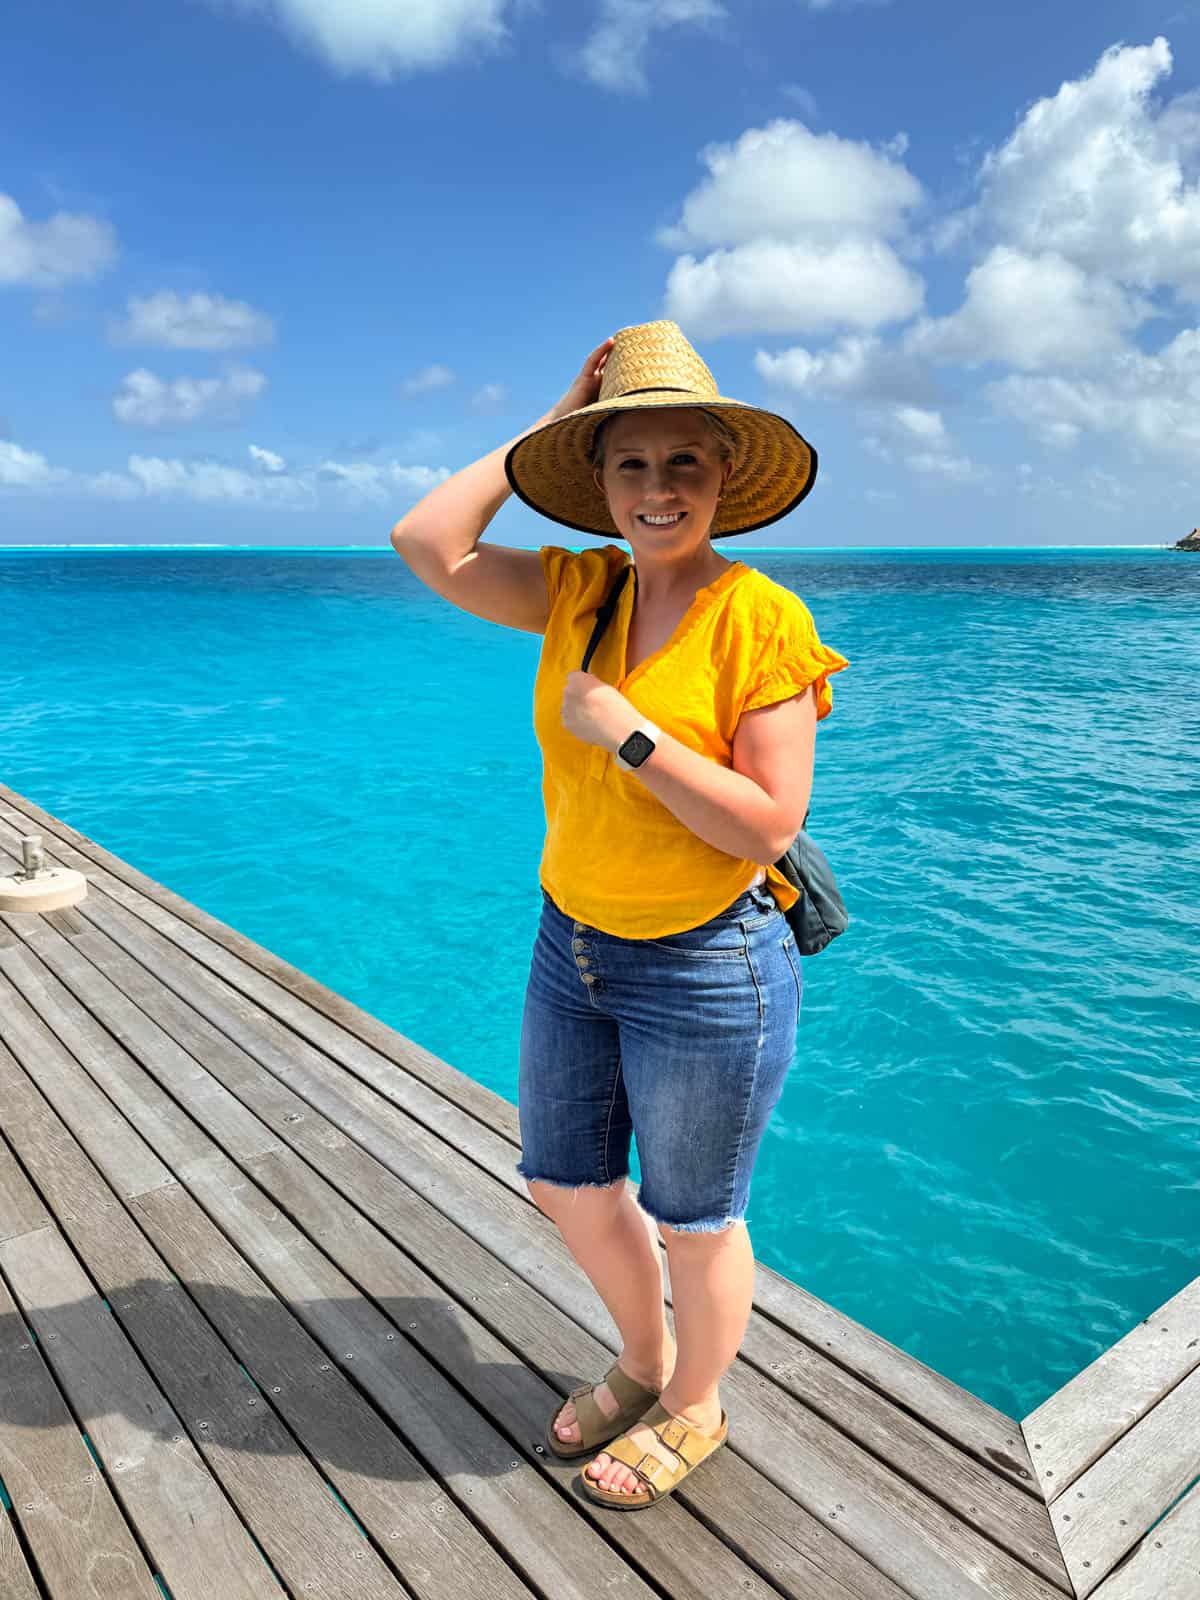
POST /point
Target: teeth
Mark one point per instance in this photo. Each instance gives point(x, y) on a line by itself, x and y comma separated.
point(658, 522)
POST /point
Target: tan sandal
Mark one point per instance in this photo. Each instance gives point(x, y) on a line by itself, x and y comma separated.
point(595, 1429)
point(690, 1444)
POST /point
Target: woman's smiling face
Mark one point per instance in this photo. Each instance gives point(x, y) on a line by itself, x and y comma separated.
point(662, 474)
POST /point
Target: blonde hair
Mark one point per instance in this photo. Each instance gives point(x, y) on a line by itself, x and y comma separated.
point(726, 439)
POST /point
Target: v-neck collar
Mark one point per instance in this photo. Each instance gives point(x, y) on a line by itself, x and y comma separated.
point(703, 599)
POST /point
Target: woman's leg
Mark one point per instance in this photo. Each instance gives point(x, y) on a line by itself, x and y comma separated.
point(611, 1240)
point(708, 1034)
point(712, 1288)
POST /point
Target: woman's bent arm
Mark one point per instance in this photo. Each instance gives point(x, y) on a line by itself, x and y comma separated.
point(439, 541)
point(439, 537)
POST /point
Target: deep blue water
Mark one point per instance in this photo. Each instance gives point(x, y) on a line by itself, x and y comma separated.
point(987, 1150)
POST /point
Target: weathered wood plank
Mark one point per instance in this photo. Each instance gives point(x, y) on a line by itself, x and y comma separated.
point(1114, 1502)
point(21, 1207)
point(436, 1548)
point(284, 1502)
point(1166, 1564)
point(166, 1128)
point(194, 1538)
point(979, 1497)
point(30, 1042)
point(1086, 1417)
point(387, 1346)
point(136, 1031)
point(306, 1132)
point(16, 1580)
point(75, 1531)
point(960, 1417)
point(438, 1551)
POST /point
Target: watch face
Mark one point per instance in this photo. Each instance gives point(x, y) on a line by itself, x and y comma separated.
point(636, 748)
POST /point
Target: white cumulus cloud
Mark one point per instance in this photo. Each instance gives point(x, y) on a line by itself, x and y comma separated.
point(385, 38)
point(919, 439)
point(193, 322)
point(436, 376)
point(1152, 401)
point(802, 231)
point(44, 254)
point(771, 287)
point(147, 401)
point(858, 366)
point(23, 468)
point(785, 182)
point(1032, 312)
point(379, 482)
point(213, 481)
point(614, 55)
point(1099, 174)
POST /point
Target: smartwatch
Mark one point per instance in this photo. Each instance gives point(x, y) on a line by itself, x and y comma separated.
point(638, 746)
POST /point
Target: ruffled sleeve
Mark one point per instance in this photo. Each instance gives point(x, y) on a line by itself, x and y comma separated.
point(555, 562)
point(792, 659)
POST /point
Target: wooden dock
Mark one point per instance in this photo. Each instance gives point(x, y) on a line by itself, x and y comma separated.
point(277, 1314)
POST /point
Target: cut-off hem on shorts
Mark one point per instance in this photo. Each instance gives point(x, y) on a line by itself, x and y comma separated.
point(703, 1226)
point(684, 1042)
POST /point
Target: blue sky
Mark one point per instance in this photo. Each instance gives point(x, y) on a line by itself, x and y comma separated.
point(271, 268)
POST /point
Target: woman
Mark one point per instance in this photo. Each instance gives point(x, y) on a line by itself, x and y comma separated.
point(664, 989)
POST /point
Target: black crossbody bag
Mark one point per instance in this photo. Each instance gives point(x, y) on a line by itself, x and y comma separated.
point(819, 914)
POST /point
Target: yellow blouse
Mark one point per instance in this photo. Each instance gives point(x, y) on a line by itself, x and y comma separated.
point(615, 858)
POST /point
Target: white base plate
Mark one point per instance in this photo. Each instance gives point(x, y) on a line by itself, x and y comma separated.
point(49, 891)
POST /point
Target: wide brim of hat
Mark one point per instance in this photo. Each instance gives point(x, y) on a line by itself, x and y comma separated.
point(774, 465)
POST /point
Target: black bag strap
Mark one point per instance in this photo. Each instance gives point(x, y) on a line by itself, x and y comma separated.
point(604, 615)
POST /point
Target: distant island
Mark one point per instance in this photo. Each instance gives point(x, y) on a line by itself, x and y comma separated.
point(1192, 542)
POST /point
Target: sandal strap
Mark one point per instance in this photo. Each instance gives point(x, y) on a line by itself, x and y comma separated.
point(594, 1425)
point(689, 1444)
point(626, 1391)
point(589, 1418)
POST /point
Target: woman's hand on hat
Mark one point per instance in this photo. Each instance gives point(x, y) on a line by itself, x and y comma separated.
point(586, 387)
point(597, 712)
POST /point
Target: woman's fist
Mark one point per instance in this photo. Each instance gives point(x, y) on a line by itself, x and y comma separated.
point(586, 387)
point(597, 712)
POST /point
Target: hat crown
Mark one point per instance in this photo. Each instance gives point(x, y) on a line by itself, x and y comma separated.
point(654, 355)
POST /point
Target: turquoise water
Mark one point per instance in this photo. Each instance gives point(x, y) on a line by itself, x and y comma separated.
point(987, 1148)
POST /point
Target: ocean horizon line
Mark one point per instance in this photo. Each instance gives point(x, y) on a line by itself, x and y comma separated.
point(383, 549)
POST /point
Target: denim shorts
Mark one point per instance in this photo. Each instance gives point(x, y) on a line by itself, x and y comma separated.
point(683, 1041)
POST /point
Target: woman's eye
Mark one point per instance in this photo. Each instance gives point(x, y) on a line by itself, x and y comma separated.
point(633, 461)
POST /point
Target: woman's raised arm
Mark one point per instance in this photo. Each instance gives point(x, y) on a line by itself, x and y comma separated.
point(439, 538)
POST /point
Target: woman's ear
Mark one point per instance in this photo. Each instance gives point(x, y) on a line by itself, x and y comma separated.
point(598, 480)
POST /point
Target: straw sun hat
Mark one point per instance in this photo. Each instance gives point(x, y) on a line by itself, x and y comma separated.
point(652, 364)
